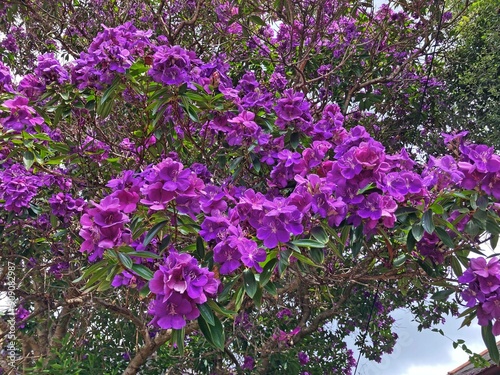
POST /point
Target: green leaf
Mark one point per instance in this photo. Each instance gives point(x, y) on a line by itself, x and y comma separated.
point(142, 271)
point(317, 255)
point(400, 260)
point(221, 310)
point(303, 259)
point(108, 93)
point(249, 283)
point(494, 241)
point(284, 260)
point(308, 243)
point(271, 289)
point(410, 241)
point(456, 266)
point(28, 159)
point(214, 334)
point(267, 271)
point(178, 339)
point(437, 208)
point(445, 237)
point(125, 260)
point(366, 188)
point(200, 247)
point(491, 344)
point(207, 313)
point(218, 334)
point(295, 140)
point(442, 295)
point(153, 231)
point(256, 19)
point(492, 226)
point(143, 254)
point(319, 234)
point(427, 222)
point(417, 230)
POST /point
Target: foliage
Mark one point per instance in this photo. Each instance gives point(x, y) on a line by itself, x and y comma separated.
point(179, 201)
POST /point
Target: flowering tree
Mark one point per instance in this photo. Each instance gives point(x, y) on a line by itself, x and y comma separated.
point(224, 195)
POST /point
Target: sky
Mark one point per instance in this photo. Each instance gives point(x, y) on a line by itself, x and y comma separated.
point(425, 352)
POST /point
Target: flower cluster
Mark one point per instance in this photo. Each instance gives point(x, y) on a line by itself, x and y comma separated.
point(112, 51)
point(103, 228)
point(21, 116)
point(483, 292)
point(18, 187)
point(64, 206)
point(50, 70)
point(179, 285)
point(168, 180)
point(173, 65)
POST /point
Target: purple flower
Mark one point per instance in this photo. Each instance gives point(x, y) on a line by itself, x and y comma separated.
point(50, 70)
point(173, 312)
point(303, 358)
point(483, 269)
point(179, 285)
point(272, 232)
point(251, 254)
point(248, 363)
point(22, 116)
point(173, 65)
point(371, 207)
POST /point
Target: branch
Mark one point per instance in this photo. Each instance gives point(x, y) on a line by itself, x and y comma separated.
point(148, 349)
point(186, 23)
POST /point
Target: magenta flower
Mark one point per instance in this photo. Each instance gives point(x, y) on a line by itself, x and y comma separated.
point(179, 285)
point(483, 269)
point(173, 312)
point(272, 232)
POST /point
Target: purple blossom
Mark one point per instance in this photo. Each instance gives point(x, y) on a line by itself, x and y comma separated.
point(22, 116)
point(173, 65)
point(50, 70)
point(179, 285)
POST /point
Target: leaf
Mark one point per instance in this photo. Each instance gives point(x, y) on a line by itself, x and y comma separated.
point(267, 271)
point(456, 266)
point(214, 334)
point(490, 341)
point(152, 232)
point(366, 188)
point(445, 237)
point(308, 243)
point(221, 310)
point(256, 19)
point(442, 295)
point(207, 313)
point(125, 260)
point(417, 230)
point(427, 222)
point(28, 159)
point(250, 283)
point(295, 140)
point(400, 260)
point(107, 94)
point(410, 241)
point(320, 235)
point(200, 247)
point(494, 241)
point(303, 259)
point(143, 254)
point(218, 334)
point(178, 339)
point(317, 255)
point(284, 260)
point(142, 271)
point(492, 226)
